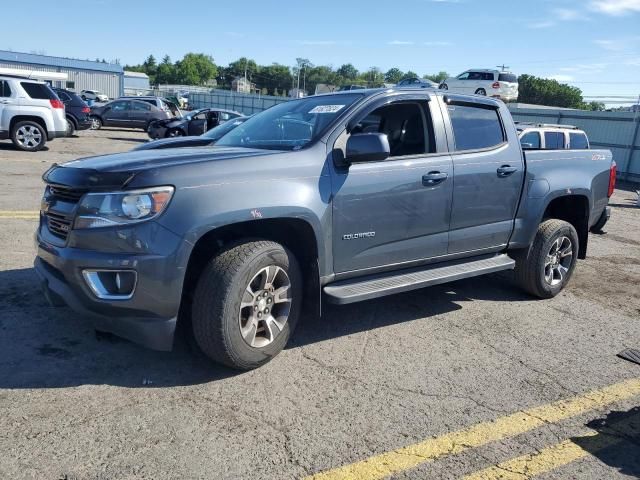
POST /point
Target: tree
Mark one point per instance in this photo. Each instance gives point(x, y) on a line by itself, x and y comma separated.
point(373, 77)
point(409, 75)
point(238, 68)
point(195, 69)
point(275, 77)
point(544, 91)
point(393, 75)
point(348, 72)
point(438, 77)
point(166, 71)
point(595, 106)
point(150, 67)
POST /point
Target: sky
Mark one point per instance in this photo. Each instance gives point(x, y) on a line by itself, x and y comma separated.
point(592, 44)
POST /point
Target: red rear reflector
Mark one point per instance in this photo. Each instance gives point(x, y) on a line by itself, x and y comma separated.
point(86, 110)
point(496, 85)
point(612, 179)
point(55, 103)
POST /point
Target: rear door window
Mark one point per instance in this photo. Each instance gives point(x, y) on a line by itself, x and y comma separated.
point(5, 90)
point(553, 140)
point(475, 128)
point(530, 141)
point(141, 106)
point(38, 91)
point(578, 141)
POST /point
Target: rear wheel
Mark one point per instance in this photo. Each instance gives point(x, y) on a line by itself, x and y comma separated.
point(71, 127)
point(247, 303)
point(546, 267)
point(28, 136)
point(481, 91)
point(444, 86)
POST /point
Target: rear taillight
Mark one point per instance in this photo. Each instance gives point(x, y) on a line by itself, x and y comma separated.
point(495, 85)
point(612, 179)
point(55, 103)
point(86, 110)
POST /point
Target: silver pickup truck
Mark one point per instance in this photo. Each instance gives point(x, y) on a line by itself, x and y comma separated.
point(346, 196)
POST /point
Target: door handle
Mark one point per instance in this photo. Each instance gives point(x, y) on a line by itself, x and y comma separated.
point(434, 178)
point(506, 170)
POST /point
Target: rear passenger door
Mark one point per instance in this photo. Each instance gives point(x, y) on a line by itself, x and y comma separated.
point(140, 114)
point(396, 211)
point(117, 114)
point(488, 176)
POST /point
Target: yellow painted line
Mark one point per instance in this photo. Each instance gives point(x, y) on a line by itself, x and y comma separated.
point(20, 214)
point(547, 459)
point(405, 458)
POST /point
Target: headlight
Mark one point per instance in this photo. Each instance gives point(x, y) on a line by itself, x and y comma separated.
point(121, 208)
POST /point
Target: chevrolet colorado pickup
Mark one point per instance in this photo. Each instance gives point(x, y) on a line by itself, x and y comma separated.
point(349, 196)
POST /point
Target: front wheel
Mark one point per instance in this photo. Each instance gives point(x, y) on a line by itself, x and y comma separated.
point(546, 267)
point(174, 132)
point(481, 91)
point(444, 86)
point(246, 304)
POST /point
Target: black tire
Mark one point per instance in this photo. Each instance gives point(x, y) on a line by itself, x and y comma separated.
point(216, 310)
point(83, 97)
point(444, 86)
point(481, 91)
point(531, 264)
point(96, 122)
point(37, 136)
point(71, 127)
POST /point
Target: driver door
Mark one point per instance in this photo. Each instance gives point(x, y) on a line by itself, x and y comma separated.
point(394, 211)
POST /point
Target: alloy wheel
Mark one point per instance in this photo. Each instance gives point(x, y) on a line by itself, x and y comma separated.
point(558, 261)
point(29, 136)
point(265, 306)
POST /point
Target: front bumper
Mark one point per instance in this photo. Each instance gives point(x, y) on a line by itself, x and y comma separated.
point(149, 317)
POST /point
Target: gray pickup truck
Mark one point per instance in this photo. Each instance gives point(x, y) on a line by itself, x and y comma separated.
point(346, 196)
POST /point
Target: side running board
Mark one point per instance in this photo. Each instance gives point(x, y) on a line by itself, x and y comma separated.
point(373, 286)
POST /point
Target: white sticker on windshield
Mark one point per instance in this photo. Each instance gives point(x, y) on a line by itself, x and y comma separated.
point(326, 109)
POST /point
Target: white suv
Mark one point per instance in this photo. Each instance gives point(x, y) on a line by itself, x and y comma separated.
point(94, 95)
point(494, 83)
point(30, 113)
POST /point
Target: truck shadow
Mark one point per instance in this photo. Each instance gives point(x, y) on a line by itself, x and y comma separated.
point(45, 347)
point(616, 441)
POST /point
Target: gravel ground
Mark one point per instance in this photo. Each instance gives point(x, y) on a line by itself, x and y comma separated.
point(363, 380)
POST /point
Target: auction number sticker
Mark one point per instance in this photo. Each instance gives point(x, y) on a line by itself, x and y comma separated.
point(326, 109)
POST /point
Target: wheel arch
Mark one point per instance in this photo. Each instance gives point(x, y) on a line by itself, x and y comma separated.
point(573, 209)
point(31, 118)
point(72, 119)
point(296, 234)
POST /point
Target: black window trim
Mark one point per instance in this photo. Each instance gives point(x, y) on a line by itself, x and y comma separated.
point(485, 106)
point(422, 103)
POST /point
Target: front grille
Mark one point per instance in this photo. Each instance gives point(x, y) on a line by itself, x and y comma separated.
point(66, 194)
point(58, 225)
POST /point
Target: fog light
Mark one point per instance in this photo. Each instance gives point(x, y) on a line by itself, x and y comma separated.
point(111, 284)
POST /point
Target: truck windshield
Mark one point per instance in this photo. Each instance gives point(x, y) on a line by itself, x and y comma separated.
point(290, 125)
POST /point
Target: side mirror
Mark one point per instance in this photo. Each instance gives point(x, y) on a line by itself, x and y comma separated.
point(367, 147)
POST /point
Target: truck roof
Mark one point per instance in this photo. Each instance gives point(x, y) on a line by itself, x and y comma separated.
point(368, 92)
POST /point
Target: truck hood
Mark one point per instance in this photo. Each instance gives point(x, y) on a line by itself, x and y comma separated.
point(146, 159)
point(117, 170)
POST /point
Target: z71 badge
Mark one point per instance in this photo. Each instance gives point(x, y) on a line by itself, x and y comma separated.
point(356, 236)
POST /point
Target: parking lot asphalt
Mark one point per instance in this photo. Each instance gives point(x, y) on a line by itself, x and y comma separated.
point(472, 379)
